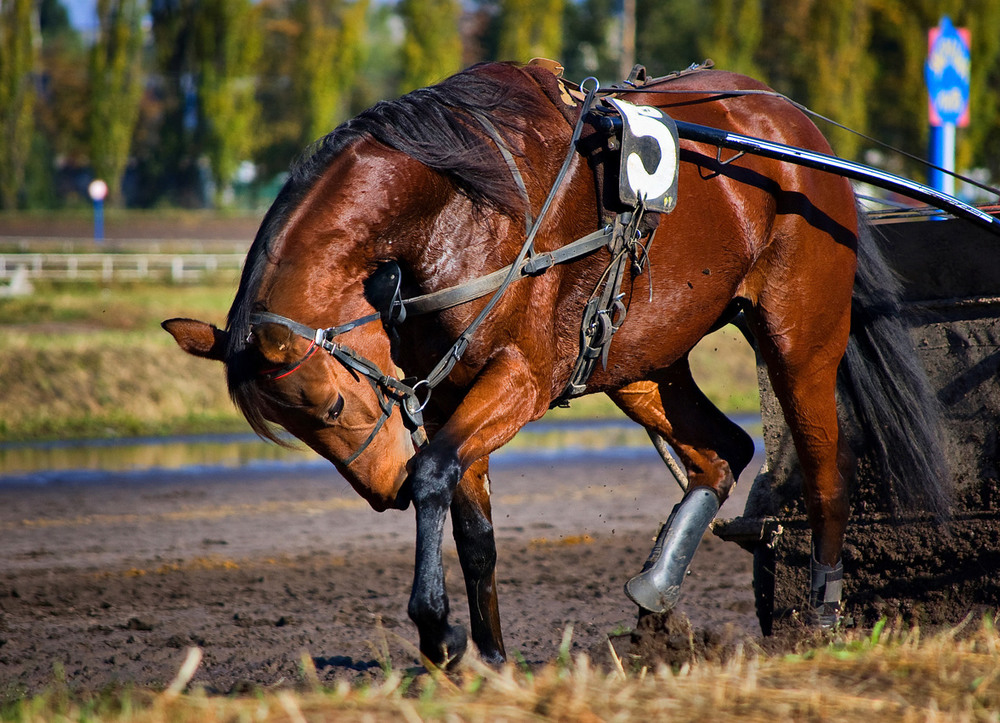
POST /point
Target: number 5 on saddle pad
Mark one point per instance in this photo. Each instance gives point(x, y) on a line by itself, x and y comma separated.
point(649, 157)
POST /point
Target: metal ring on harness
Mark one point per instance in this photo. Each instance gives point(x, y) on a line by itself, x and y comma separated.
point(423, 404)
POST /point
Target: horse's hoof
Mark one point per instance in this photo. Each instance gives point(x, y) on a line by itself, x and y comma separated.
point(494, 659)
point(825, 590)
point(447, 652)
point(642, 590)
point(824, 617)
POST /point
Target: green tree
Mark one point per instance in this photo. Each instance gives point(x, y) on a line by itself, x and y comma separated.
point(432, 46)
point(669, 35)
point(170, 152)
point(116, 83)
point(735, 35)
point(328, 54)
point(228, 44)
point(840, 69)
point(897, 103)
point(979, 144)
point(17, 95)
point(816, 52)
point(61, 117)
point(590, 45)
point(206, 52)
point(313, 58)
point(530, 28)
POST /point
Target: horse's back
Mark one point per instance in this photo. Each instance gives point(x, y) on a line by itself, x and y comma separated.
point(735, 102)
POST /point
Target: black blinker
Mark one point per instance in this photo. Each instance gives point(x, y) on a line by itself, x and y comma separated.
point(383, 292)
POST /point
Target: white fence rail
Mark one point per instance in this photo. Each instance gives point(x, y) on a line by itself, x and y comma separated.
point(119, 267)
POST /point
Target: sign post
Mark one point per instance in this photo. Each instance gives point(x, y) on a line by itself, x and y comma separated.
point(947, 76)
point(98, 191)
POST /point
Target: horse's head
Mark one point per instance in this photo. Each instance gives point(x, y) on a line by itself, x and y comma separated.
point(289, 359)
point(279, 377)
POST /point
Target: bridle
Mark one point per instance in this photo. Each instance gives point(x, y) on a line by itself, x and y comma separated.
point(406, 393)
point(389, 391)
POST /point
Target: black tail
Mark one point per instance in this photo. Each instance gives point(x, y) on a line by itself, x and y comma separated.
point(895, 407)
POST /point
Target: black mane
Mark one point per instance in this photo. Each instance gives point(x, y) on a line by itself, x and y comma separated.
point(433, 125)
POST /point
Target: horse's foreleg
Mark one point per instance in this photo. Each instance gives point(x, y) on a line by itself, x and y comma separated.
point(434, 475)
point(714, 451)
point(489, 416)
point(472, 524)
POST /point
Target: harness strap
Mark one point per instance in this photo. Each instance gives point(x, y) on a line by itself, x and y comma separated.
point(386, 405)
point(283, 371)
point(317, 335)
point(444, 367)
point(540, 262)
point(494, 134)
point(605, 312)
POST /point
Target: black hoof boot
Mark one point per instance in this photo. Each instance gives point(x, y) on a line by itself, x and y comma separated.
point(826, 586)
point(445, 651)
point(658, 587)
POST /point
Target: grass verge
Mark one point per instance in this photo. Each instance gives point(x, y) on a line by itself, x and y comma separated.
point(885, 675)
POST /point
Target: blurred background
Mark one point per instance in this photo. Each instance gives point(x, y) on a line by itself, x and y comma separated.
point(204, 103)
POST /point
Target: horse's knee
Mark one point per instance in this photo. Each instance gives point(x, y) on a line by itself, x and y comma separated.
point(434, 474)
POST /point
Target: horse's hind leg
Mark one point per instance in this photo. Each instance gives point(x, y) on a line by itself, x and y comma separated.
point(802, 338)
point(713, 450)
point(472, 525)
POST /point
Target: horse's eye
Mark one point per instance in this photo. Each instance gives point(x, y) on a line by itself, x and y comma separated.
point(336, 409)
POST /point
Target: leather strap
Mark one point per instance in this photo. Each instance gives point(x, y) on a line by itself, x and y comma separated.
point(540, 262)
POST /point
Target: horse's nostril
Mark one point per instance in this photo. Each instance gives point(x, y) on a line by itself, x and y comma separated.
point(336, 409)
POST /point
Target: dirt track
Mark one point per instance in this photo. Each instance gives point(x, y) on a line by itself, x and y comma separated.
point(112, 581)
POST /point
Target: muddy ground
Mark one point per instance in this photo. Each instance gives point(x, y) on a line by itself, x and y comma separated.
point(110, 581)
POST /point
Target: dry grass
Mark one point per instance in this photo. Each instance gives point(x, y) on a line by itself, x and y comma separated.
point(886, 676)
point(91, 360)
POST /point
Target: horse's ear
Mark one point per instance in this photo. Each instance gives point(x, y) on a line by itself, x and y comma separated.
point(198, 338)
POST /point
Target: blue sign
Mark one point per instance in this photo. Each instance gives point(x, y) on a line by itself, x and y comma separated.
point(947, 74)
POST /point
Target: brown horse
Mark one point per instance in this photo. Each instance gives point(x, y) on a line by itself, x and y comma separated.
point(438, 189)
